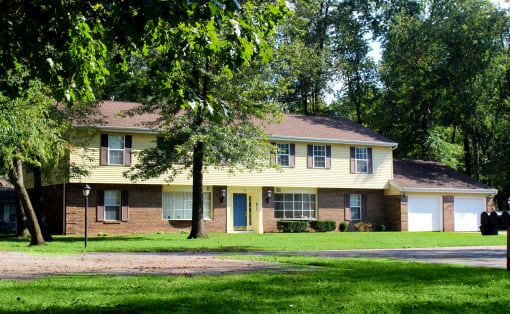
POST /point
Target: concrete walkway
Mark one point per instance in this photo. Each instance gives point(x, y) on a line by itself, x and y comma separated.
point(481, 256)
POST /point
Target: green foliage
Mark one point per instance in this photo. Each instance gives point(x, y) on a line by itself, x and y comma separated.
point(58, 43)
point(291, 225)
point(323, 225)
point(32, 129)
point(343, 226)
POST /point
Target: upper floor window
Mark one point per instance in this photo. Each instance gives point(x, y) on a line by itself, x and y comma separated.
point(178, 205)
point(283, 154)
point(319, 156)
point(116, 149)
point(361, 156)
point(361, 160)
point(294, 206)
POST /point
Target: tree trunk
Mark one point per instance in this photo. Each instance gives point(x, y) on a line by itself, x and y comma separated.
point(197, 220)
point(38, 204)
point(467, 156)
point(16, 178)
point(21, 225)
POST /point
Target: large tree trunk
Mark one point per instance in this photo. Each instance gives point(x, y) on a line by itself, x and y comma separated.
point(197, 220)
point(16, 178)
point(38, 204)
point(21, 225)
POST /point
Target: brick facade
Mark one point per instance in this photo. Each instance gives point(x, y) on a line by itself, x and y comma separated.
point(145, 210)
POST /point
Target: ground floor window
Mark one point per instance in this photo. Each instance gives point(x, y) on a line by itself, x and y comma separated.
point(177, 205)
point(295, 206)
point(355, 205)
point(112, 205)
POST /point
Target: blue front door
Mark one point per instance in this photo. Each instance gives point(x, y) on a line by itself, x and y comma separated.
point(239, 211)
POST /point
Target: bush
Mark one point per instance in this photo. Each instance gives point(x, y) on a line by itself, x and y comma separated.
point(323, 225)
point(381, 227)
point(291, 226)
point(363, 226)
point(344, 225)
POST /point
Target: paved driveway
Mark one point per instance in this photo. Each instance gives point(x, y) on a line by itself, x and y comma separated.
point(484, 256)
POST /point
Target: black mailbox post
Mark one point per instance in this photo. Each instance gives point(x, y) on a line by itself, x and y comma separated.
point(489, 226)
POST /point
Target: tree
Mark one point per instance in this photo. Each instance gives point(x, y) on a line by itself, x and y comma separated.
point(302, 57)
point(29, 135)
point(191, 52)
point(53, 54)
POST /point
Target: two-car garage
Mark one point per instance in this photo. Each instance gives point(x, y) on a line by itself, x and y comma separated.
point(426, 213)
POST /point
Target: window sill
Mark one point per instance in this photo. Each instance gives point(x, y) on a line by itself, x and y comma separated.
point(112, 222)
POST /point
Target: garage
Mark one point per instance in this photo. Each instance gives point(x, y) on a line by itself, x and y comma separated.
point(424, 213)
point(467, 212)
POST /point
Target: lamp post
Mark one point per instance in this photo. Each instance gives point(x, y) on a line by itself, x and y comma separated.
point(86, 192)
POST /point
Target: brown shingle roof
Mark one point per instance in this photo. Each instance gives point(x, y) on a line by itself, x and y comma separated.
point(293, 126)
point(418, 175)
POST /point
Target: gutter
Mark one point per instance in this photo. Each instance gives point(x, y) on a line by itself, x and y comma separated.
point(333, 141)
point(404, 189)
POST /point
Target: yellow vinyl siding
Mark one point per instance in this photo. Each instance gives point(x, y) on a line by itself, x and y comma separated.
point(338, 176)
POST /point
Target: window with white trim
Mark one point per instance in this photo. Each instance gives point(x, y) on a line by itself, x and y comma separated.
point(177, 205)
point(116, 147)
point(295, 206)
point(355, 205)
point(283, 154)
point(361, 159)
point(319, 156)
point(112, 205)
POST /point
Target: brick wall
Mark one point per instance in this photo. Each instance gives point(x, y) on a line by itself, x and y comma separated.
point(394, 219)
point(144, 214)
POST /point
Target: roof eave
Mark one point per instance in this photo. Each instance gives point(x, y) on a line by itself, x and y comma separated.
point(404, 189)
point(131, 130)
point(332, 141)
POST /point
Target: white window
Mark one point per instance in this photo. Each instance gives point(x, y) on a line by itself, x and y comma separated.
point(355, 205)
point(319, 156)
point(294, 206)
point(116, 149)
point(283, 154)
point(361, 158)
point(112, 205)
point(178, 205)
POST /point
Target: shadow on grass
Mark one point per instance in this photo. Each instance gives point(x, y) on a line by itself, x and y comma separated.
point(343, 285)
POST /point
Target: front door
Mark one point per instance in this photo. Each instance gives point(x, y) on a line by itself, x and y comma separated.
point(240, 212)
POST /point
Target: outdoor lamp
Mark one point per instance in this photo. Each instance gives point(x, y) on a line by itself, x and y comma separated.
point(223, 194)
point(86, 192)
point(269, 194)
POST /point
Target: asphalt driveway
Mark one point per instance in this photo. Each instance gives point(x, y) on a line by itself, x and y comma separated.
point(480, 256)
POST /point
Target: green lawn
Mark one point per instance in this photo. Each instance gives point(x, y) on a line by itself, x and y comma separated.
point(256, 242)
point(322, 285)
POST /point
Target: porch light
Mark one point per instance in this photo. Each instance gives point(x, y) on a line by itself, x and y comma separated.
point(269, 194)
point(223, 194)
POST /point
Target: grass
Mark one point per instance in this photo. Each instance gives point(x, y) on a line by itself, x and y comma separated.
point(254, 242)
point(337, 286)
point(355, 285)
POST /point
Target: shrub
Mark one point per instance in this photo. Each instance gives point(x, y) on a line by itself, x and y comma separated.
point(381, 227)
point(323, 225)
point(291, 226)
point(344, 225)
point(363, 226)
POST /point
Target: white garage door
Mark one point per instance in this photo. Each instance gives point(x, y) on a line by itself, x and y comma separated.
point(467, 213)
point(424, 213)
